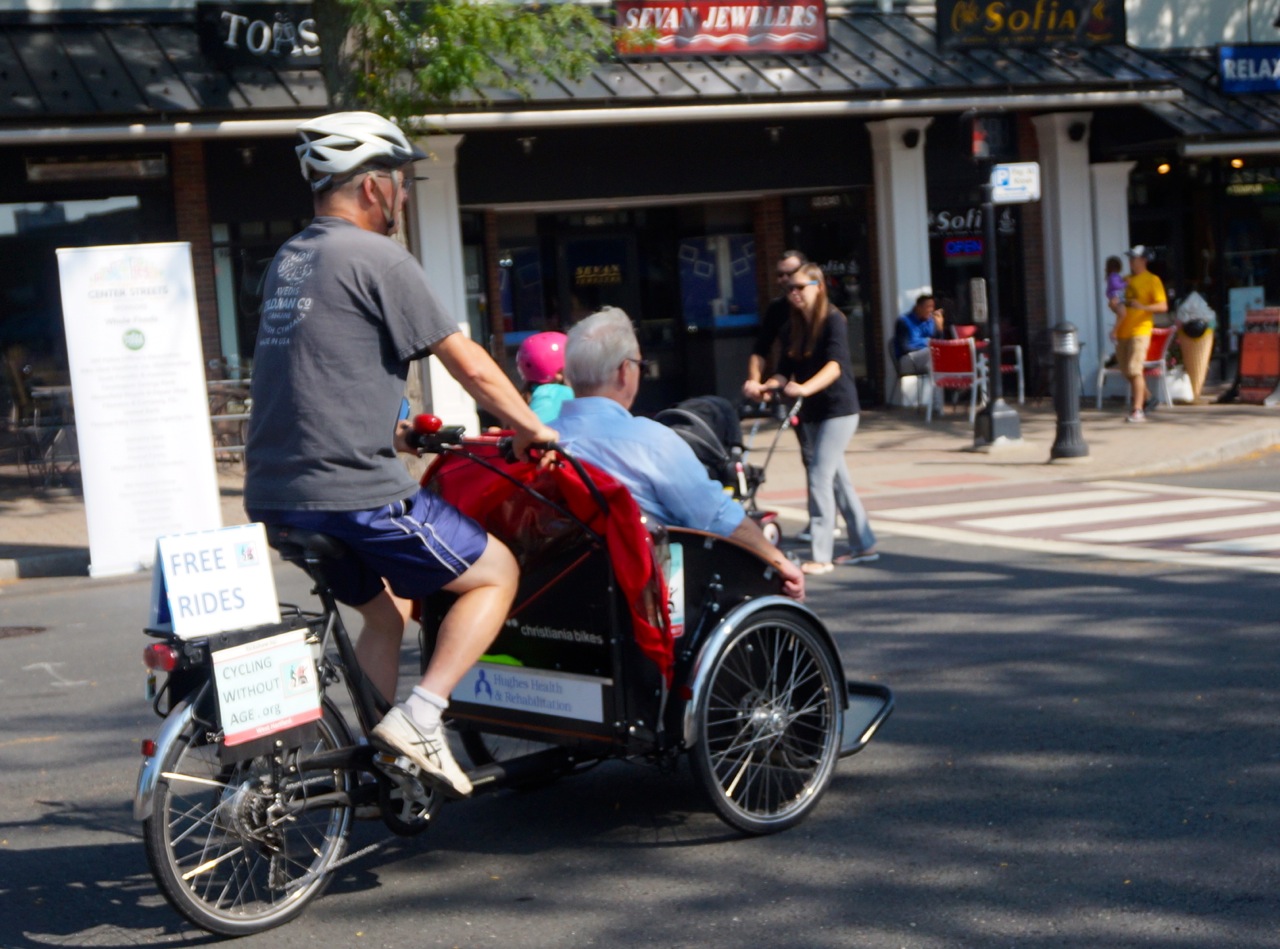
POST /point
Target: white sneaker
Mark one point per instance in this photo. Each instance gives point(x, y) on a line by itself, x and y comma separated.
point(399, 734)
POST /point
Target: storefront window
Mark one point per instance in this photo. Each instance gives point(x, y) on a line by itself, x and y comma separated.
point(32, 339)
point(242, 252)
point(1251, 240)
point(718, 281)
point(831, 229)
point(522, 293)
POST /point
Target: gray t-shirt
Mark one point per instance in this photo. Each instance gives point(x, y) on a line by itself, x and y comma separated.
point(343, 312)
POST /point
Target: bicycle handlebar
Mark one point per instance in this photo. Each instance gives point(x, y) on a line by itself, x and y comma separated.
point(432, 436)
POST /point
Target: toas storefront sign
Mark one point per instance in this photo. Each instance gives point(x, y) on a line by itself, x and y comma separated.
point(966, 24)
point(279, 33)
point(722, 27)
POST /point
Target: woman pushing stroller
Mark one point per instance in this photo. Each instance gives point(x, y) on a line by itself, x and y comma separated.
point(815, 366)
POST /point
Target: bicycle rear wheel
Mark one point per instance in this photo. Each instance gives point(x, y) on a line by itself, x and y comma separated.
point(770, 724)
point(241, 848)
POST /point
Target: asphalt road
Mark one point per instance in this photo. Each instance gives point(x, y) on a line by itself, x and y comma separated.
point(1083, 755)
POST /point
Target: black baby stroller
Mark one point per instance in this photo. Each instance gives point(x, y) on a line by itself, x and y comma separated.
point(710, 425)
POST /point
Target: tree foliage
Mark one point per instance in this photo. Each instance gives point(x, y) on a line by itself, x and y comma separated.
point(408, 59)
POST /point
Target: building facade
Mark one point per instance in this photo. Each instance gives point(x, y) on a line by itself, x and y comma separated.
point(663, 184)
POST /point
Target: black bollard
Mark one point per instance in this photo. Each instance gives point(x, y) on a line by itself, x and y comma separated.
point(1069, 442)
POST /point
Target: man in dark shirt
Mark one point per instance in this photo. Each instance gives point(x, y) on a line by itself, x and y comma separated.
point(775, 317)
point(344, 312)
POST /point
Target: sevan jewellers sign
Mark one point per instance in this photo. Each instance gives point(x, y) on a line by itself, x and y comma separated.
point(966, 24)
point(722, 27)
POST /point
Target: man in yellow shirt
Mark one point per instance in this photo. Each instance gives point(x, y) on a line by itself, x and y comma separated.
point(1144, 296)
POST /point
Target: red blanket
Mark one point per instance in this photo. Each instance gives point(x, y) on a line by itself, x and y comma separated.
point(529, 526)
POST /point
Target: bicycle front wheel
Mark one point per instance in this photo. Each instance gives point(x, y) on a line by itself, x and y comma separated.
point(243, 847)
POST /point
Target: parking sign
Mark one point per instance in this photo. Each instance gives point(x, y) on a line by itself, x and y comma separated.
point(1015, 183)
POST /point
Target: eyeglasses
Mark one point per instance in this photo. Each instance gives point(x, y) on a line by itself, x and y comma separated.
point(405, 181)
point(784, 274)
point(799, 287)
point(641, 364)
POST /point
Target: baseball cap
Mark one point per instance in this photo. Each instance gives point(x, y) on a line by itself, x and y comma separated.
point(1138, 250)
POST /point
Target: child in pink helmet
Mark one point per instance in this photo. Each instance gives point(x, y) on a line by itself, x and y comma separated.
point(540, 362)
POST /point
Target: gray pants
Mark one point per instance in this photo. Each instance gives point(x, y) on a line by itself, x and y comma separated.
point(914, 363)
point(831, 487)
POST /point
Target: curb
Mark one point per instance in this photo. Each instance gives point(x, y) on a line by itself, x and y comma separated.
point(1231, 450)
point(73, 562)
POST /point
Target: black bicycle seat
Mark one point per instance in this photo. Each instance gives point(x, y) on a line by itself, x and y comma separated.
point(296, 544)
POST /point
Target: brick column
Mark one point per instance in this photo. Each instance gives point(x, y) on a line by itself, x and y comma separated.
point(191, 214)
point(493, 289)
point(771, 241)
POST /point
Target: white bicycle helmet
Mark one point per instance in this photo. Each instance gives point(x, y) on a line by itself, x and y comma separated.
point(342, 143)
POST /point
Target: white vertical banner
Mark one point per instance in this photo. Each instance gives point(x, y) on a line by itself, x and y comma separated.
point(142, 408)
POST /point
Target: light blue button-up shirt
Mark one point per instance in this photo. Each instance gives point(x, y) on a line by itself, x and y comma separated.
point(654, 463)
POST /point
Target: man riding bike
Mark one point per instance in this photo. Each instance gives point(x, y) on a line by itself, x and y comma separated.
point(345, 310)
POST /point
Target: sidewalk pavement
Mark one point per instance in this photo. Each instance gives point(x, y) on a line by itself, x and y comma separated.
point(893, 453)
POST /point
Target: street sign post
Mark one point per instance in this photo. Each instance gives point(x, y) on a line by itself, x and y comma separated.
point(1011, 183)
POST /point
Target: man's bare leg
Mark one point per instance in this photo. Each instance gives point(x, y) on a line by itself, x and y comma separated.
point(378, 647)
point(485, 594)
point(414, 728)
point(1137, 392)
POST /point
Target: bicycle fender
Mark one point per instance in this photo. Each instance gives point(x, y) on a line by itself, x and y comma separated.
point(701, 667)
point(149, 774)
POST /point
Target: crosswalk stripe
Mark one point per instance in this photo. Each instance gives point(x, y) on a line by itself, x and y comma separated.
point(1241, 545)
point(1182, 528)
point(1093, 515)
point(967, 508)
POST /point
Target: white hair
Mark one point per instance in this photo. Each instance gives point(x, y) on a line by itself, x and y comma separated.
point(597, 346)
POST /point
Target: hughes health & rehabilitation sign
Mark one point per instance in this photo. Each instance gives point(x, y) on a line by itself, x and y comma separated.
point(722, 27)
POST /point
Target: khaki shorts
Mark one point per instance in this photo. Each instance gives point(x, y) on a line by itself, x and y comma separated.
point(1131, 353)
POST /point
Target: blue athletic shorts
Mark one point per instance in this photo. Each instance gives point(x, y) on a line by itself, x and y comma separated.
point(418, 544)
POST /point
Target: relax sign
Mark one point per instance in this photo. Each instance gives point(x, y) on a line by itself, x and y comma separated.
point(1249, 68)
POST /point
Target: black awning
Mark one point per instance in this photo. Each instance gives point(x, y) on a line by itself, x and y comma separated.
point(87, 69)
point(140, 70)
point(1205, 112)
point(870, 55)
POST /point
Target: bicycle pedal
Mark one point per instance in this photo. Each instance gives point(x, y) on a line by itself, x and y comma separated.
point(395, 766)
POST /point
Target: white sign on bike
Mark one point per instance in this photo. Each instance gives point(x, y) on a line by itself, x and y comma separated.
point(266, 686)
point(213, 581)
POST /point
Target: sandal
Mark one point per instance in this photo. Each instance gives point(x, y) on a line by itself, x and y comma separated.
point(812, 567)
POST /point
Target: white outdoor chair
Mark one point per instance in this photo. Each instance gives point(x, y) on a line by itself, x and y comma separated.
point(1155, 366)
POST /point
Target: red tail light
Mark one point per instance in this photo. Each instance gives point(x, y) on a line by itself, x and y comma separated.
point(148, 748)
point(160, 656)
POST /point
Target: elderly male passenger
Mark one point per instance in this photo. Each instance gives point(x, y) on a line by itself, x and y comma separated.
point(664, 476)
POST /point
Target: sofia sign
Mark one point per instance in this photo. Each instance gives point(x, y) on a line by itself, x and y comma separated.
point(972, 23)
point(719, 27)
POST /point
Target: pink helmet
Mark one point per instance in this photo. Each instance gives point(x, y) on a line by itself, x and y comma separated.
point(541, 357)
